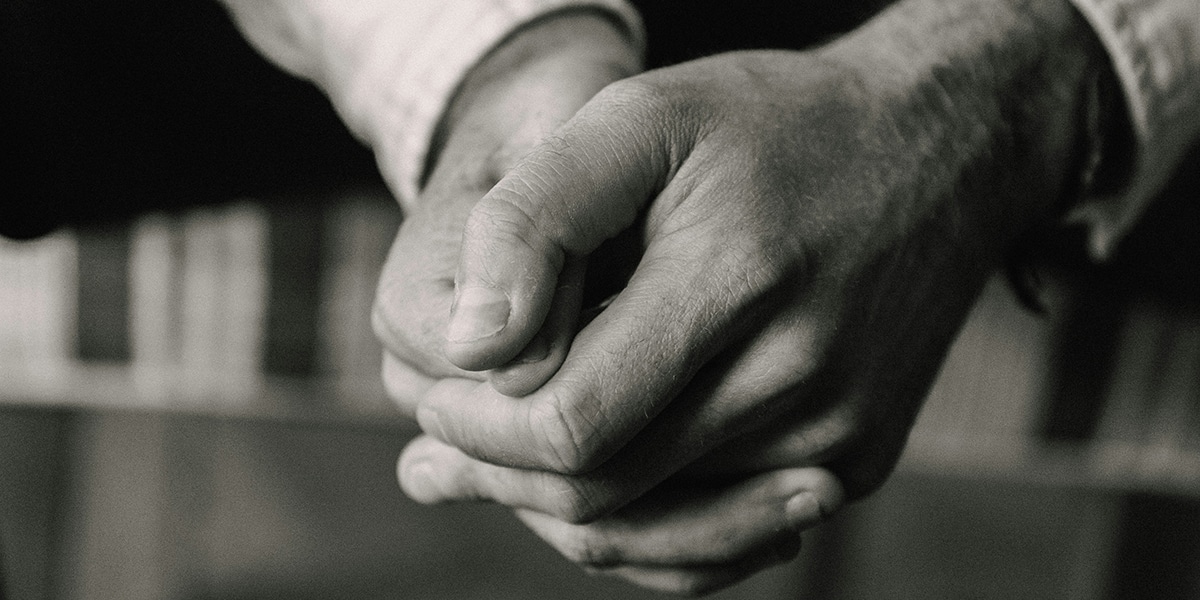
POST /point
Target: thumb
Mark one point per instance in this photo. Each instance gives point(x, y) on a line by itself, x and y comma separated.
point(582, 186)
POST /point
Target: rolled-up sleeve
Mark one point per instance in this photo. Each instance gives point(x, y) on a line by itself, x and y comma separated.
point(1154, 46)
point(391, 67)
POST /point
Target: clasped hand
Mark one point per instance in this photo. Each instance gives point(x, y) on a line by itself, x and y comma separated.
point(802, 237)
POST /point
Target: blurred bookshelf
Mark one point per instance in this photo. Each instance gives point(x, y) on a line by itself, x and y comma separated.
point(183, 355)
point(1026, 397)
point(244, 310)
point(261, 311)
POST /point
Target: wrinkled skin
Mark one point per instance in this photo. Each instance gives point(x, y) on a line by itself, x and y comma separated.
point(813, 228)
point(731, 531)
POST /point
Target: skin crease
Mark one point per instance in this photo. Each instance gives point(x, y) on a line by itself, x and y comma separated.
point(813, 228)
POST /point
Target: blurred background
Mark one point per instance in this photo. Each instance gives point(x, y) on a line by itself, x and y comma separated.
point(189, 397)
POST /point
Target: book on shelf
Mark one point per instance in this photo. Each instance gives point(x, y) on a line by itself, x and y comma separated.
point(223, 300)
point(983, 405)
point(102, 294)
point(210, 309)
point(1148, 427)
point(294, 255)
point(37, 307)
point(202, 299)
point(156, 295)
point(1172, 446)
point(243, 290)
point(1003, 406)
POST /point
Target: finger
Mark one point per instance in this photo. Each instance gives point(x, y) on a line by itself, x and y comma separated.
point(543, 355)
point(413, 306)
point(431, 472)
point(416, 286)
point(404, 384)
point(575, 190)
point(734, 403)
point(681, 525)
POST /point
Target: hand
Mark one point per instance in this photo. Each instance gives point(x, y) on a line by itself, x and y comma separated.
point(734, 530)
point(816, 227)
point(681, 537)
point(519, 94)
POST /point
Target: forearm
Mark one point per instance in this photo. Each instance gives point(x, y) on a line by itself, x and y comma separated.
point(565, 57)
point(1000, 89)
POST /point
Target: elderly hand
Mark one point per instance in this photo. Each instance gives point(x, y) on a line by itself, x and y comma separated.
point(536, 82)
point(816, 226)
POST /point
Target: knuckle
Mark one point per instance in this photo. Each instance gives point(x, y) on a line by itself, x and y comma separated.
point(536, 189)
point(500, 214)
point(791, 356)
point(564, 446)
point(765, 255)
point(511, 218)
point(640, 94)
point(655, 104)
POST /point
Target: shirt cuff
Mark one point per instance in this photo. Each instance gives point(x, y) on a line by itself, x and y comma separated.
point(399, 93)
point(1154, 46)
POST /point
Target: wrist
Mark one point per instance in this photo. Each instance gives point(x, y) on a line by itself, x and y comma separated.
point(570, 53)
point(999, 90)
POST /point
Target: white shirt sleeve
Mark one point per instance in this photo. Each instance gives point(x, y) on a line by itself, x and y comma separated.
point(391, 67)
point(1154, 46)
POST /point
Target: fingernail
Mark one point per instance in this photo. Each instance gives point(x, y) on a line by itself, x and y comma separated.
point(479, 312)
point(418, 482)
point(537, 351)
point(803, 510)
